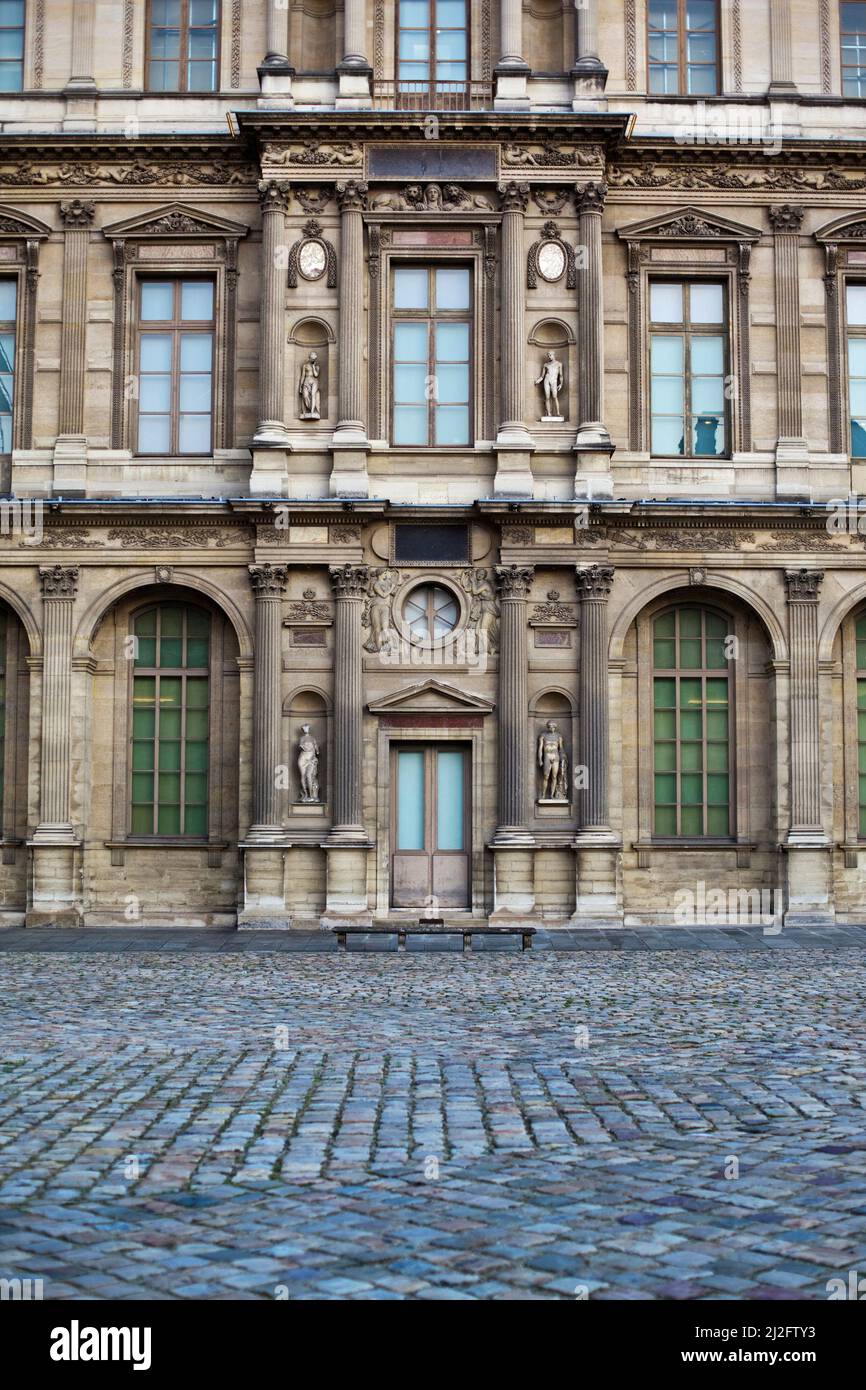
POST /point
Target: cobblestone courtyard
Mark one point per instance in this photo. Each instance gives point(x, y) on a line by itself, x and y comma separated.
point(497, 1125)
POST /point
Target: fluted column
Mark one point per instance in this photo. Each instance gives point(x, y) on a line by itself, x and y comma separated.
point(513, 476)
point(588, 70)
point(514, 584)
point(350, 584)
point(269, 584)
point(592, 431)
point(276, 36)
point(59, 586)
point(349, 442)
point(77, 219)
point(803, 587)
point(593, 588)
point(354, 72)
point(81, 73)
point(511, 33)
point(271, 433)
point(792, 453)
point(781, 56)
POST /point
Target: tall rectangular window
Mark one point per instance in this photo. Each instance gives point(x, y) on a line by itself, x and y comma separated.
point(688, 357)
point(855, 319)
point(8, 299)
point(175, 366)
point(432, 45)
point(2, 702)
point(11, 45)
point(183, 45)
point(170, 721)
point(852, 36)
point(691, 733)
point(860, 633)
point(431, 355)
point(683, 47)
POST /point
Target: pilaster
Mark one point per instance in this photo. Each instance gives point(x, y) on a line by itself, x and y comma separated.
point(514, 443)
point(792, 451)
point(354, 72)
point(70, 449)
point(808, 847)
point(593, 445)
point(347, 843)
point(271, 443)
point(349, 443)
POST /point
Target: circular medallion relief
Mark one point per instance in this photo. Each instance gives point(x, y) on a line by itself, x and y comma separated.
point(551, 260)
point(312, 260)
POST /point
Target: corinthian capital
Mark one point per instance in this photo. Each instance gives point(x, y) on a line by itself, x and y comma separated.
point(594, 581)
point(803, 585)
point(268, 581)
point(514, 197)
point(514, 580)
point(351, 196)
point(786, 218)
point(590, 197)
point(350, 581)
point(274, 195)
point(58, 581)
point(77, 214)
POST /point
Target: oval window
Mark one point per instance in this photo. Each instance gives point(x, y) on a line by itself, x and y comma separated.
point(430, 611)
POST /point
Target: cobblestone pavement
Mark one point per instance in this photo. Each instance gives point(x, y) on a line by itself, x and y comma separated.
point(630, 1124)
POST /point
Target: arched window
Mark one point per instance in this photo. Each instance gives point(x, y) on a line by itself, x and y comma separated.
point(2, 702)
point(691, 725)
point(860, 636)
point(170, 721)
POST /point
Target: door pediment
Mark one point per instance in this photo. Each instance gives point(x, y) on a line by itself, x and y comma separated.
point(430, 697)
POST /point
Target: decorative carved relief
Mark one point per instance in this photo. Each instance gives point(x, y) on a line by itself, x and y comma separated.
point(344, 535)
point(351, 196)
point(803, 585)
point(786, 218)
point(734, 178)
point(45, 169)
point(517, 535)
point(77, 213)
point(312, 256)
point(58, 581)
point(308, 610)
point(514, 580)
point(431, 197)
point(377, 619)
point(313, 200)
point(483, 619)
point(268, 581)
point(551, 258)
point(550, 201)
point(554, 612)
point(550, 155)
point(178, 538)
point(313, 153)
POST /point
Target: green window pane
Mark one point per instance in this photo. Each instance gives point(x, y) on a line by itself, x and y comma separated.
point(666, 820)
point(143, 723)
point(169, 756)
point(170, 723)
point(690, 653)
point(665, 789)
point(717, 691)
point(861, 654)
point(169, 788)
point(142, 820)
point(168, 820)
point(716, 658)
point(665, 724)
point(142, 755)
point(170, 693)
point(690, 622)
point(146, 654)
point(691, 694)
point(664, 693)
point(716, 626)
point(692, 821)
point(692, 789)
point(144, 691)
point(863, 822)
point(692, 757)
point(665, 626)
point(717, 723)
point(197, 622)
point(665, 757)
point(145, 624)
point(197, 693)
point(171, 622)
point(861, 694)
point(197, 651)
point(718, 792)
point(665, 653)
point(197, 757)
point(195, 818)
point(197, 723)
point(691, 724)
point(195, 788)
point(142, 787)
point(718, 820)
point(170, 651)
point(717, 757)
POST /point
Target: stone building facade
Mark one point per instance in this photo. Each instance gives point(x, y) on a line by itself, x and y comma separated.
point(422, 435)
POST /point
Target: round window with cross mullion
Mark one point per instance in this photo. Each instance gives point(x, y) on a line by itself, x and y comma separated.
point(430, 612)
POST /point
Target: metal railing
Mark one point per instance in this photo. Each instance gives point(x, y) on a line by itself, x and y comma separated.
point(432, 96)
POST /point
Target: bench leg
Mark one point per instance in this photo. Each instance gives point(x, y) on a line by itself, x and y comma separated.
point(341, 940)
point(527, 941)
point(401, 941)
point(467, 941)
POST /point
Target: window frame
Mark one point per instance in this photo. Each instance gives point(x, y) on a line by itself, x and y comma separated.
point(687, 331)
point(15, 713)
point(852, 674)
point(416, 89)
point(183, 56)
point(175, 327)
point(431, 318)
point(14, 279)
point(10, 91)
point(125, 632)
point(682, 56)
point(843, 66)
point(848, 332)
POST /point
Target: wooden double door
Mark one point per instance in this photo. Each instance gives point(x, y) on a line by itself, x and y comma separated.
point(430, 825)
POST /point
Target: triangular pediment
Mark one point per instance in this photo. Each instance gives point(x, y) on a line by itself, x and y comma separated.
point(688, 224)
point(851, 227)
point(430, 696)
point(15, 223)
point(175, 220)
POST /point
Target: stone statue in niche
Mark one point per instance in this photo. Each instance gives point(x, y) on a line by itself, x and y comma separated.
point(550, 381)
point(308, 389)
point(377, 611)
point(308, 765)
point(553, 763)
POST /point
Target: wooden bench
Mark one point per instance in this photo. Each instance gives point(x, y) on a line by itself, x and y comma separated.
point(433, 927)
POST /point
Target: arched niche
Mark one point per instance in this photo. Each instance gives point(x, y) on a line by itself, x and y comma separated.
point(548, 35)
point(552, 335)
point(553, 706)
point(314, 33)
point(312, 335)
point(307, 706)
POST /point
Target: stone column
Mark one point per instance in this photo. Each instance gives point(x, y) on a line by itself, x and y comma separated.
point(275, 71)
point(271, 442)
point(349, 443)
point(512, 69)
point(354, 72)
point(782, 83)
point(792, 452)
point(593, 443)
point(589, 72)
point(269, 585)
point(597, 901)
point(70, 449)
point(347, 844)
point(809, 866)
point(81, 74)
point(512, 844)
point(514, 443)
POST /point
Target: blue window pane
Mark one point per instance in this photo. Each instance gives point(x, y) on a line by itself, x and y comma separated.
point(452, 385)
point(195, 392)
point(858, 438)
point(708, 395)
point(410, 384)
point(163, 77)
point(857, 395)
point(201, 77)
point(202, 43)
point(165, 43)
point(155, 394)
point(855, 299)
point(194, 434)
point(7, 352)
point(414, 46)
point(857, 356)
point(668, 395)
point(410, 424)
point(157, 300)
point(410, 289)
point(664, 81)
point(196, 352)
point(452, 425)
point(165, 12)
point(666, 352)
point(708, 435)
point(414, 72)
point(666, 301)
point(11, 43)
point(452, 342)
point(410, 342)
point(708, 355)
point(414, 14)
point(202, 11)
point(450, 72)
point(155, 352)
point(452, 289)
point(706, 304)
point(702, 48)
point(451, 45)
point(8, 290)
point(451, 14)
point(154, 434)
point(701, 14)
point(410, 800)
point(6, 395)
point(667, 436)
point(196, 299)
point(449, 800)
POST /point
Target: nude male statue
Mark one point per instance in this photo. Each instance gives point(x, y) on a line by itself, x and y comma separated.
point(550, 382)
point(553, 763)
